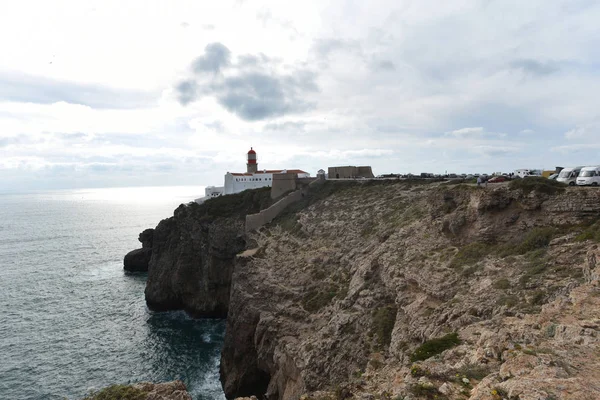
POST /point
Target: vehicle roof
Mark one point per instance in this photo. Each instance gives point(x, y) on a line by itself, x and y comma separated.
point(591, 167)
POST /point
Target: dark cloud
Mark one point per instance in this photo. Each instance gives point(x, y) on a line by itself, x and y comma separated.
point(249, 87)
point(33, 89)
point(216, 57)
point(256, 96)
point(534, 67)
point(187, 91)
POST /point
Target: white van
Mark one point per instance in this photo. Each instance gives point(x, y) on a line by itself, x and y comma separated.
point(589, 176)
point(569, 175)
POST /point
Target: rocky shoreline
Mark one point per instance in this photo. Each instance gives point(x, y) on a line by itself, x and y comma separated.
point(334, 298)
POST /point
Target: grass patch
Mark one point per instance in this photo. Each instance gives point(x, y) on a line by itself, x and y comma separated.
point(384, 319)
point(426, 391)
point(592, 232)
point(502, 283)
point(118, 392)
point(470, 254)
point(508, 300)
point(474, 371)
point(540, 185)
point(314, 300)
point(435, 346)
point(536, 239)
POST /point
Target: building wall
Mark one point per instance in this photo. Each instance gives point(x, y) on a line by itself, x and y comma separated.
point(282, 184)
point(342, 172)
point(365, 172)
point(349, 172)
point(239, 183)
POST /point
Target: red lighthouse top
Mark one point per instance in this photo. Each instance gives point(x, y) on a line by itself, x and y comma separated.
point(251, 156)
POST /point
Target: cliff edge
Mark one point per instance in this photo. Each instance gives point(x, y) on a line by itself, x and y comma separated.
point(193, 252)
point(400, 290)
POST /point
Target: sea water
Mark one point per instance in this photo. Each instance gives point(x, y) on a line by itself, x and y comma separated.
point(71, 320)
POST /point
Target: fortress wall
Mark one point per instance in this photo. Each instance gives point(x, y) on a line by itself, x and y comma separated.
point(365, 172)
point(282, 184)
point(255, 221)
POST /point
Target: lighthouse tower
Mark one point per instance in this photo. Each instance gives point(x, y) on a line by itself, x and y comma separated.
point(252, 165)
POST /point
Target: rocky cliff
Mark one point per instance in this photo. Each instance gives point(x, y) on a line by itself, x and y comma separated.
point(138, 260)
point(193, 253)
point(405, 291)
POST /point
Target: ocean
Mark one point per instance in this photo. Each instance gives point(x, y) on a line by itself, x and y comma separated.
point(71, 320)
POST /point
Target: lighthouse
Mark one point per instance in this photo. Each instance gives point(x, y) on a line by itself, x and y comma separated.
point(252, 165)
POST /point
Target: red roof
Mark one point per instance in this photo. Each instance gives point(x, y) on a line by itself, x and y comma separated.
point(269, 171)
point(251, 151)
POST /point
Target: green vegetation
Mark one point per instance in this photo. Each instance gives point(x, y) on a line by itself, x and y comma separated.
point(508, 300)
point(470, 254)
point(474, 371)
point(502, 283)
point(535, 265)
point(540, 185)
point(118, 392)
point(592, 232)
point(315, 299)
point(234, 205)
point(426, 391)
point(435, 346)
point(537, 238)
point(384, 319)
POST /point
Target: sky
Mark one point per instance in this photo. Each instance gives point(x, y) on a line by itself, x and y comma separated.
point(137, 93)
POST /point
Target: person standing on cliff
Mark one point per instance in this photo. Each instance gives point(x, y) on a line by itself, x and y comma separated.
point(478, 181)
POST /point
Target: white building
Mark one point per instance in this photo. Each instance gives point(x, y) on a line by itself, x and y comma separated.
point(236, 182)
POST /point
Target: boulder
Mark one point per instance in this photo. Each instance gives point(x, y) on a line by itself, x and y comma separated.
point(137, 260)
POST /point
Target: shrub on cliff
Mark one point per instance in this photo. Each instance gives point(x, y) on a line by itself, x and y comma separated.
point(592, 232)
point(541, 185)
point(118, 392)
point(236, 205)
point(435, 346)
point(384, 319)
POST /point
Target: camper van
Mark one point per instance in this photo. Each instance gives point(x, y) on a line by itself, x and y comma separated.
point(524, 173)
point(589, 176)
point(569, 175)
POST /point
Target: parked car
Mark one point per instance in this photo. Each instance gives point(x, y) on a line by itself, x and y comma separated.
point(553, 177)
point(496, 179)
point(589, 176)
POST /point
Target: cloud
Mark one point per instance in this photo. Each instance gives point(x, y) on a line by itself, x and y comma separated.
point(252, 88)
point(476, 131)
point(534, 67)
point(591, 130)
point(385, 65)
point(490, 150)
point(288, 126)
point(17, 87)
point(527, 132)
point(348, 154)
point(577, 148)
point(216, 57)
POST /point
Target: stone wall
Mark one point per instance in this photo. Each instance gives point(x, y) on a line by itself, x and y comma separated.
point(255, 221)
point(350, 172)
point(282, 184)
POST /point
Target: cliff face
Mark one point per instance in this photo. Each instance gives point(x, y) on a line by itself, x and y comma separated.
point(337, 298)
point(193, 252)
